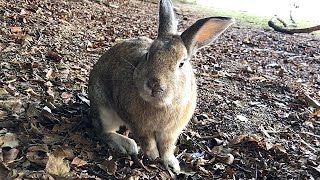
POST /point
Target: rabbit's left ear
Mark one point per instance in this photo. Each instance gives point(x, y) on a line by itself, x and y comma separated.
point(204, 31)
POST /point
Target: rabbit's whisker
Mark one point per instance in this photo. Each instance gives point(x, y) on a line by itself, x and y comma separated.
point(129, 63)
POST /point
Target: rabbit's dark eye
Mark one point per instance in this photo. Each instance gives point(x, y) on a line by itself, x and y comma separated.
point(182, 63)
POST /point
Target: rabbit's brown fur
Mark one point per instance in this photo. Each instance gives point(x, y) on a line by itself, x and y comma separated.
point(149, 87)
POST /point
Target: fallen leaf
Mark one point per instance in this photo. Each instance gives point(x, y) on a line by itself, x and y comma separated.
point(78, 162)
point(41, 175)
point(226, 159)
point(66, 152)
point(66, 95)
point(11, 105)
point(16, 29)
point(49, 74)
point(242, 118)
point(9, 140)
point(54, 56)
point(3, 92)
point(57, 166)
point(32, 111)
point(31, 91)
point(10, 155)
point(4, 171)
point(108, 165)
point(245, 138)
point(46, 113)
point(38, 154)
point(3, 114)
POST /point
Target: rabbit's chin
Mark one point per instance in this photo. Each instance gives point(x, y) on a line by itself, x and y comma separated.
point(157, 101)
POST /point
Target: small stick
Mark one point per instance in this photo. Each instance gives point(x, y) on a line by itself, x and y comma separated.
point(311, 134)
point(308, 145)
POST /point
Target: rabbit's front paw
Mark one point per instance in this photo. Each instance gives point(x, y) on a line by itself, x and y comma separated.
point(123, 144)
point(153, 154)
point(171, 161)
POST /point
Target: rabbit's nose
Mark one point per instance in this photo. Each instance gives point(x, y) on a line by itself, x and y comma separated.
point(154, 85)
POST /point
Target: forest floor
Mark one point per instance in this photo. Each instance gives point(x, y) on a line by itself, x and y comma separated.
point(258, 111)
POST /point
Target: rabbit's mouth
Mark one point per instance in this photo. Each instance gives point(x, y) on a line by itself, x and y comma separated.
point(156, 98)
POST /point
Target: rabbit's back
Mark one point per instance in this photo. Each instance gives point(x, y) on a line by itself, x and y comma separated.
point(115, 68)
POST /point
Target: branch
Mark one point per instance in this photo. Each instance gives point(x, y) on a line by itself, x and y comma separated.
point(291, 31)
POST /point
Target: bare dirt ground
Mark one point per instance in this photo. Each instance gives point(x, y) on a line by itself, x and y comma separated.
point(258, 114)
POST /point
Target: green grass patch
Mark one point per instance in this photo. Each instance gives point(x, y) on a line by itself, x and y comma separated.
point(240, 16)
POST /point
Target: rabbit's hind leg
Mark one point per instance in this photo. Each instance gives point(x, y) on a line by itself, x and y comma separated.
point(111, 122)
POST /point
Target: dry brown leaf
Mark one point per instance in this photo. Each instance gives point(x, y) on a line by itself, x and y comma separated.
point(3, 114)
point(32, 111)
point(78, 162)
point(54, 56)
point(227, 159)
point(41, 175)
point(66, 95)
point(16, 29)
point(4, 171)
point(217, 149)
point(280, 148)
point(11, 105)
point(46, 113)
point(3, 92)
point(50, 74)
point(10, 155)
point(242, 118)
point(38, 154)
point(57, 166)
point(268, 145)
point(245, 138)
point(31, 91)
point(9, 140)
point(315, 114)
point(66, 152)
point(108, 165)
point(229, 173)
point(52, 139)
point(238, 139)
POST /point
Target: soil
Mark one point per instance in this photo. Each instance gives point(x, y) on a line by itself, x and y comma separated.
point(258, 111)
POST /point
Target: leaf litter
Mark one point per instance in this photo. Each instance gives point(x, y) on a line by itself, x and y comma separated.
point(258, 105)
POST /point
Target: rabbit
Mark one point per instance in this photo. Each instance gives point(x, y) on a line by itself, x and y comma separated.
point(149, 87)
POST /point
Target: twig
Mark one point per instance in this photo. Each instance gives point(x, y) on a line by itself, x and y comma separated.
point(292, 31)
point(312, 102)
point(275, 132)
point(264, 131)
point(308, 145)
point(311, 134)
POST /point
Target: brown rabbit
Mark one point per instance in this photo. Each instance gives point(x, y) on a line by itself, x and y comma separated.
point(149, 86)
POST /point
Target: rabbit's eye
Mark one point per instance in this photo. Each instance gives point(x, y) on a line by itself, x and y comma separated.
point(182, 63)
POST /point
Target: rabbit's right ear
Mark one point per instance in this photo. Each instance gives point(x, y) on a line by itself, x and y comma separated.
point(204, 31)
point(167, 21)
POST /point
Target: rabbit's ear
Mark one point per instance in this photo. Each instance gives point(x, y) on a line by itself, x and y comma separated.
point(204, 31)
point(167, 20)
